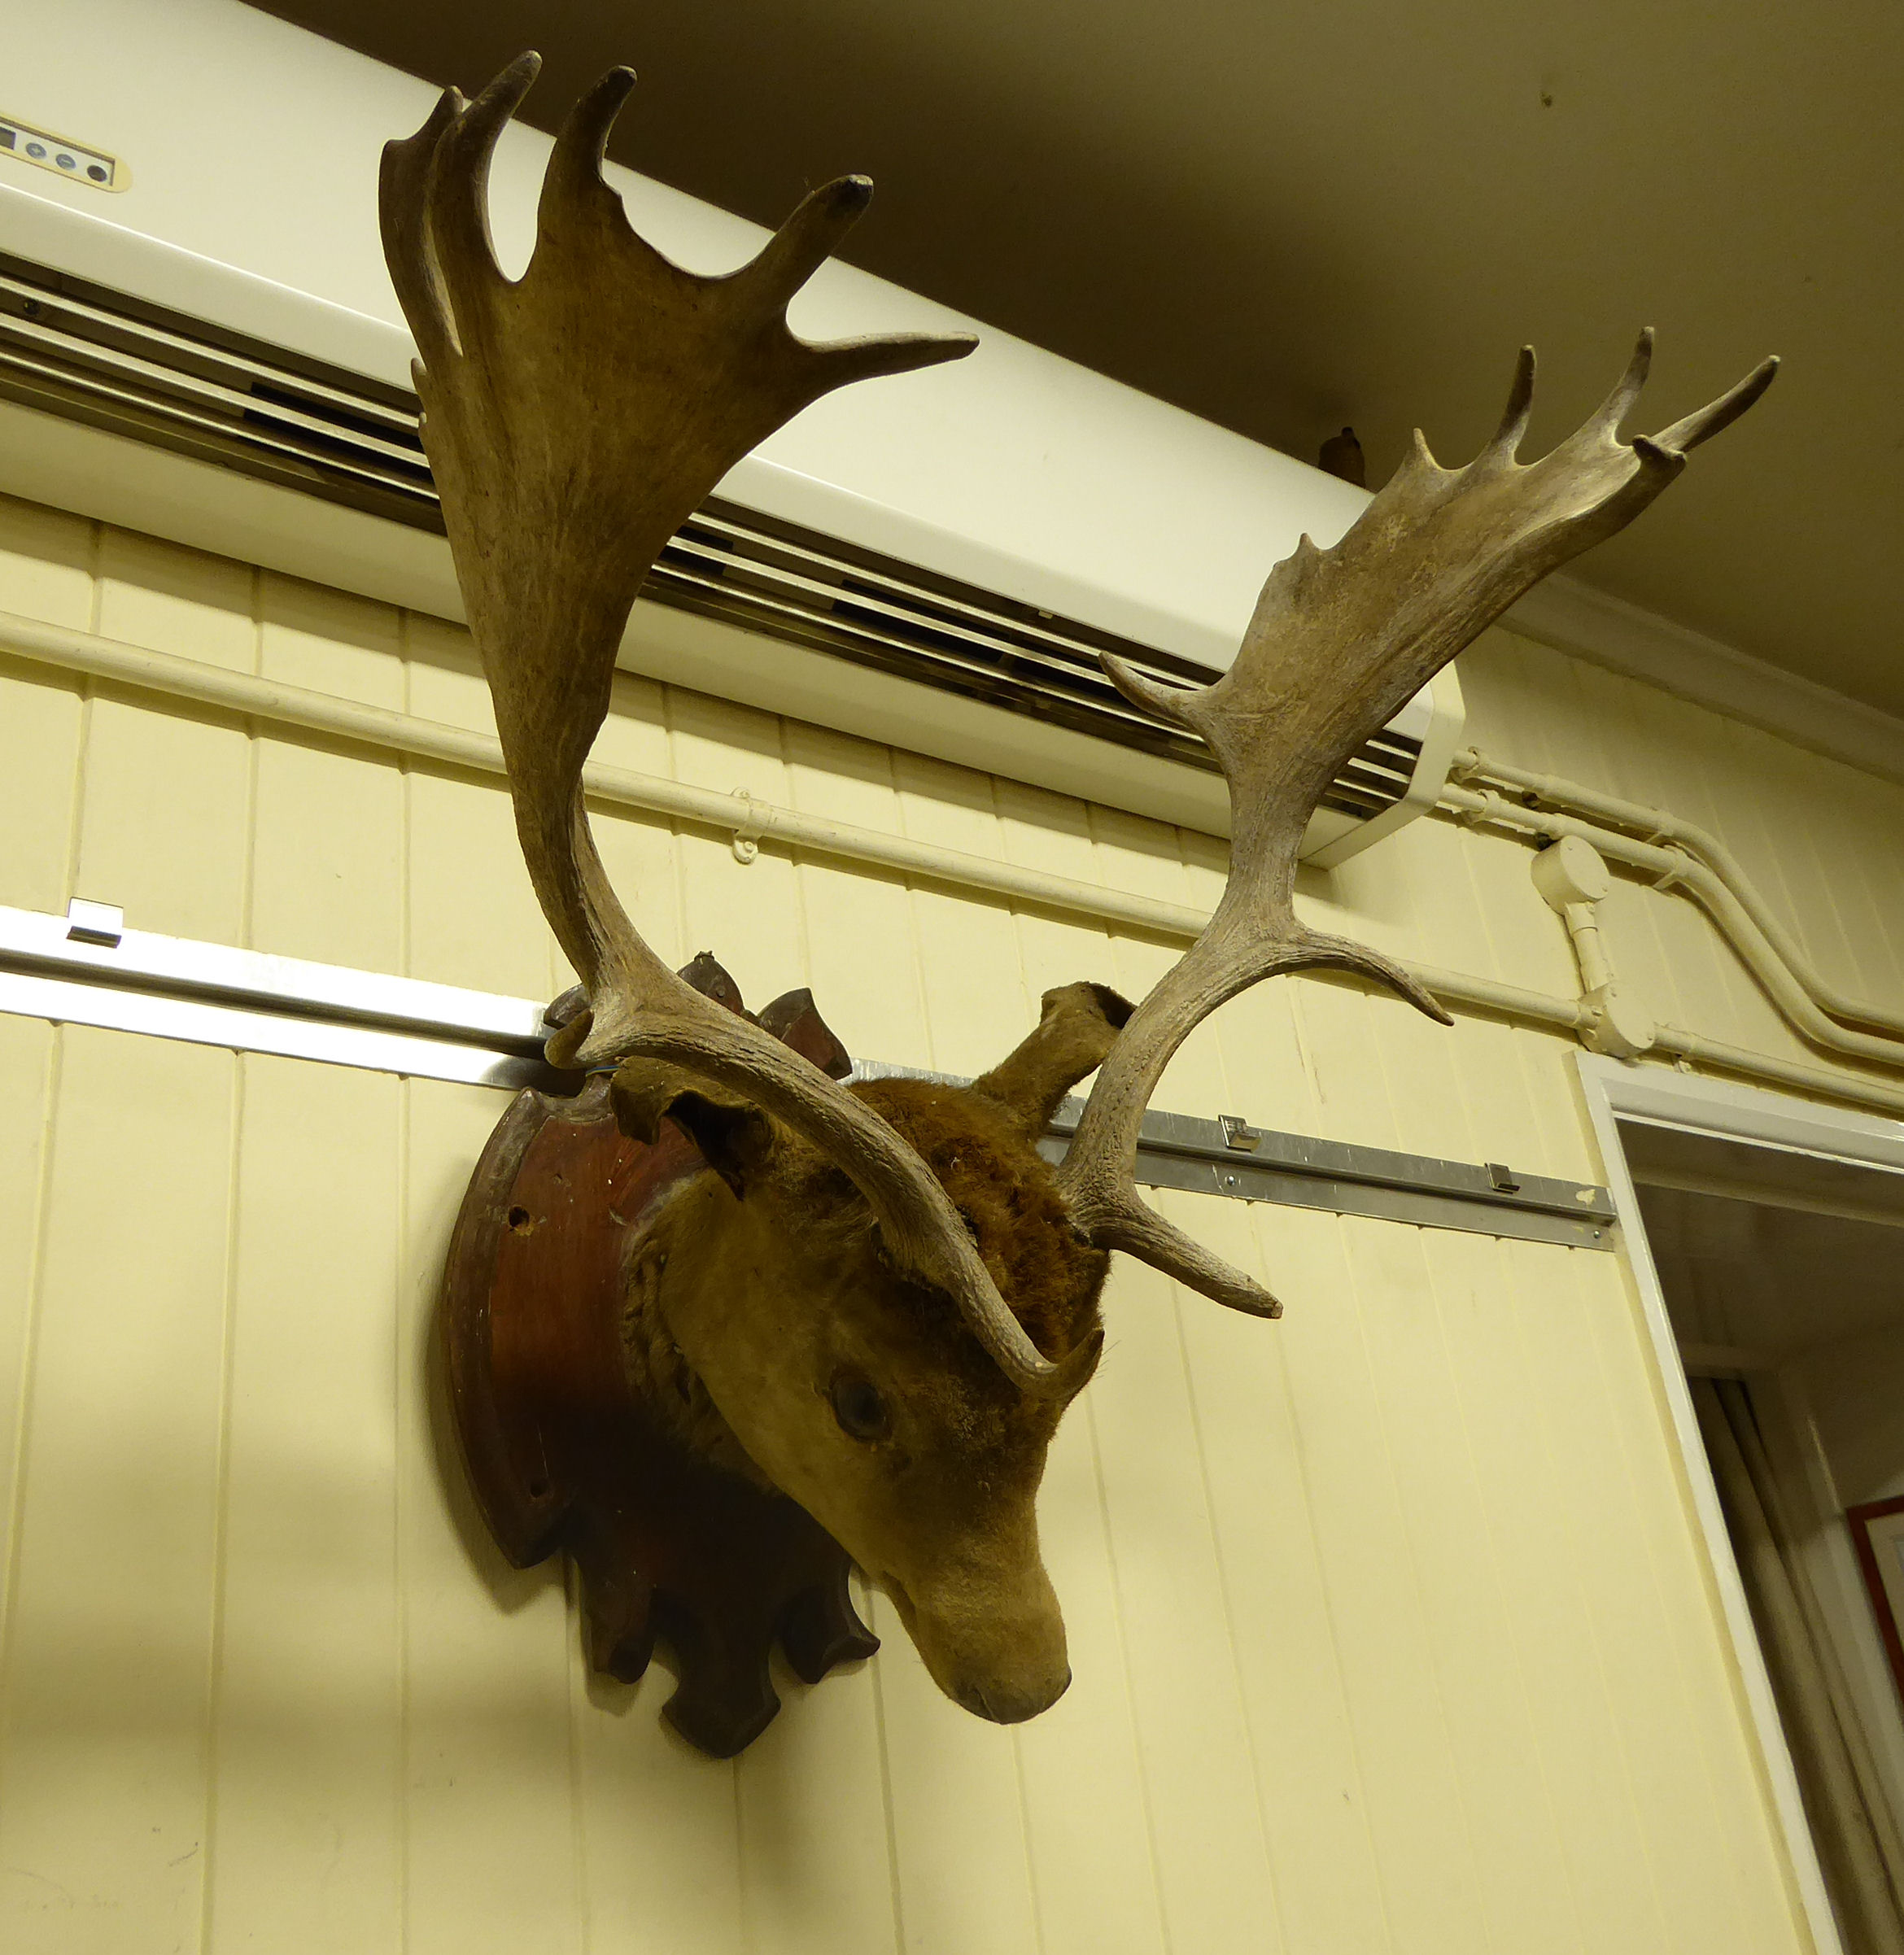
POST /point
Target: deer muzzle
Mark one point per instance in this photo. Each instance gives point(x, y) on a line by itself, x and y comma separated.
point(991, 1638)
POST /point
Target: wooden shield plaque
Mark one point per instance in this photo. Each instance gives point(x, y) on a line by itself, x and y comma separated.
point(563, 1454)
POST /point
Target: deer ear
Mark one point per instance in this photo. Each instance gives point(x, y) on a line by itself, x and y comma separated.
point(1078, 1027)
point(735, 1137)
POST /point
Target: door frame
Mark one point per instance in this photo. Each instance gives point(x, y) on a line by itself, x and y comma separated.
point(1613, 1090)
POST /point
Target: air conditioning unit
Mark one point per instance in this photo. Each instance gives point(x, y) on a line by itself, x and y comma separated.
point(204, 345)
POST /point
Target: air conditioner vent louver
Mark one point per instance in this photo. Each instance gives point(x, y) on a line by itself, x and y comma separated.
point(89, 354)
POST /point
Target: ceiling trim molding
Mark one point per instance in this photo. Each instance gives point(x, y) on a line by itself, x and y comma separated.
point(1640, 645)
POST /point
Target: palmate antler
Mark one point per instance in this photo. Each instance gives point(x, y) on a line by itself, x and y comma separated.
point(1339, 639)
point(574, 420)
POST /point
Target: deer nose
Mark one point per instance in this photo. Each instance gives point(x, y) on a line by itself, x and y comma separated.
point(1012, 1704)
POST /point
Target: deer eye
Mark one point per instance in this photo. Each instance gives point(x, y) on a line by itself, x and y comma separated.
point(859, 1408)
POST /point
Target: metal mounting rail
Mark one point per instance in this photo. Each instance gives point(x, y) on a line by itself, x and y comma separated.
point(87, 968)
point(1228, 1157)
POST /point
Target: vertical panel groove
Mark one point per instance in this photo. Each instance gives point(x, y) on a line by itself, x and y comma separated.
point(1223, 1589)
point(1614, 1724)
point(399, 1516)
point(1250, 1228)
point(576, 1705)
point(1329, 1609)
point(1144, 1795)
point(23, 1414)
point(1516, 1634)
point(896, 1888)
point(1416, 1584)
point(1025, 1827)
point(221, 1519)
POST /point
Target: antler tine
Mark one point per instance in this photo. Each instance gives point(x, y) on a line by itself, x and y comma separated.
point(809, 237)
point(575, 164)
point(458, 211)
point(403, 209)
point(573, 419)
point(1620, 402)
point(1716, 416)
point(1520, 405)
point(1340, 638)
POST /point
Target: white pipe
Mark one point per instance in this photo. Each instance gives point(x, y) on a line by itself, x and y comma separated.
point(1670, 867)
point(1815, 1079)
point(277, 703)
point(737, 814)
point(741, 815)
point(1739, 895)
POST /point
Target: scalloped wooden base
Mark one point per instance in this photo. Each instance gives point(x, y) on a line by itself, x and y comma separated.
point(563, 1456)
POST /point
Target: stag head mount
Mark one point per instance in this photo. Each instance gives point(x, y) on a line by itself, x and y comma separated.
point(885, 1295)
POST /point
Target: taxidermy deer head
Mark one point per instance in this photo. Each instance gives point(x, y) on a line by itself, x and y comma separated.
point(886, 1295)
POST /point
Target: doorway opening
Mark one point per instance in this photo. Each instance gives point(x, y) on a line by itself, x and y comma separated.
point(1767, 1237)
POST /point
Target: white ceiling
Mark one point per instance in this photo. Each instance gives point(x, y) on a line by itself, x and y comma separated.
point(1745, 1274)
point(1766, 1249)
point(1289, 217)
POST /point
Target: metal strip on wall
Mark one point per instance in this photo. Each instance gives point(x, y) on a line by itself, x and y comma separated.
point(87, 968)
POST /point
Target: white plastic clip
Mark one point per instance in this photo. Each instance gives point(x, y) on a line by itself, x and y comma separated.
point(748, 833)
point(94, 922)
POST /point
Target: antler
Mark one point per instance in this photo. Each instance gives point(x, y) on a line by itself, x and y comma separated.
point(1339, 639)
point(573, 419)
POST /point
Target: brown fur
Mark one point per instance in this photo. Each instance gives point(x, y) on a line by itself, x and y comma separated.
point(1005, 1189)
point(758, 1287)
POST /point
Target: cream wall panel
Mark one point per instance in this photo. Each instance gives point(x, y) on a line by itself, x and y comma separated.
point(472, 919)
point(29, 1058)
point(491, 1843)
point(49, 563)
point(1427, 1330)
point(1087, 1817)
point(958, 1846)
point(46, 572)
point(1422, 1834)
point(1194, 1745)
point(660, 1830)
point(326, 882)
point(306, 1714)
point(171, 599)
point(1310, 1785)
point(821, 1859)
point(1389, 1623)
point(165, 855)
point(1414, 1354)
point(1213, 1865)
point(330, 641)
point(42, 721)
point(751, 923)
point(1094, 1822)
point(106, 1669)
